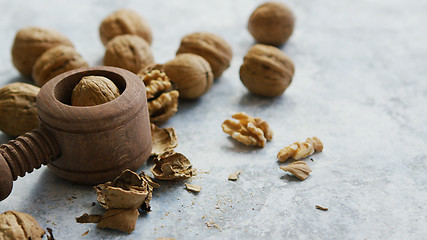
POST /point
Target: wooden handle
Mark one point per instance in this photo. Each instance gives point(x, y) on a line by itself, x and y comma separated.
point(22, 155)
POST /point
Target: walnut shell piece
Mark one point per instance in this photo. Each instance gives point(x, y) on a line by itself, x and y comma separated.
point(55, 61)
point(163, 139)
point(271, 23)
point(248, 130)
point(299, 168)
point(119, 219)
point(94, 90)
point(129, 52)
point(172, 166)
point(124, 21)
point(266, 71)
point(30, 43)
point(18, 108)
point(17, 225)
point(299, 150)
point(211, 47)
point(192, 74)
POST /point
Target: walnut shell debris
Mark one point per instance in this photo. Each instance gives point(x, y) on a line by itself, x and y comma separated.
point(30, 43)
point(163, 139)
point(18, 225)
point(55, 61)
point(192, 74)
point(248, 130)
point(124, 21)
point(299, 168)
point(162, 99)
point(211, 47)
point(271, 23)
point(234, 176)
point(129, 52)
point(266, 71)
point(172, 166)
point(193, 187)
point(119, 219)
point(299, 150)
point(94, 90)
point(18, 108)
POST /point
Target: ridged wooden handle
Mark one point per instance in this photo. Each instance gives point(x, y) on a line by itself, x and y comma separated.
point(23, 155)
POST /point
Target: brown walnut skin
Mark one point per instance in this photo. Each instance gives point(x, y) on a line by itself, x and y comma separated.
point(192, 74)
point(129, 52)
point(30, 43)
point(211, 47)
point(271, 23)
point(55, 61)
point(266, 71)
point(124, 21)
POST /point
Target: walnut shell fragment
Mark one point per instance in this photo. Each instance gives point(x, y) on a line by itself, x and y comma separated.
point(18, 225)
point(299, 168)
point(86, 218)
point(119, 219)
point(299, 150)
point(94, 90)
point(162, 99)
point(248, 130)
point(163, 139)
point(234, 176)
point(193, 187)
point(172, 166)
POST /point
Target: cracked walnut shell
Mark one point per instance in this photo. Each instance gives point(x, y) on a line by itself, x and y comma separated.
point(94, 90)
point(211, 47)
point(129, 52)
point(172, 166)
point(299, 150)
point(266, 71)
point(162, 100)
point(55, 61)
point(163, 139)
point(124, 21)
point(30, 43)
point(248, 130)
point(299, 168)
point(18, 225)
point(271, 23)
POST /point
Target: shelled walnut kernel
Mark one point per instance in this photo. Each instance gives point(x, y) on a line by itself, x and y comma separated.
point(248, 130)
point(299, 150)
point(299, 168)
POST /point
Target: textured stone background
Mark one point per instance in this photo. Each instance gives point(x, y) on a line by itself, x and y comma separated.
point(360, 86)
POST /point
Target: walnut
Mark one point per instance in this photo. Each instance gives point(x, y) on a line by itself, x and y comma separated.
point(172, 166)
point(55, 61)
point(18, 225)
point(211, 47)
point(94, 90)
point(192, 74)
point(299, 150)
point(129, 52)
point(163, 139)
point(124, 21)
point(162, 100)
point(18, 108)
point(30, 43)
point(271, 23)
point(266, 71)
point(248, 130)
point(299, 168)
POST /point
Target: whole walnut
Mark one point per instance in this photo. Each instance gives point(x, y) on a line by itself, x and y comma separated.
point(266, 70)
point(18, 111)
point(17, 225)
point(30, 43)
point(94, 90)
point(211, 47)
point(271, 23)
point(192, 74)
point(129, 52)
point(55, 61)
point(124, 21)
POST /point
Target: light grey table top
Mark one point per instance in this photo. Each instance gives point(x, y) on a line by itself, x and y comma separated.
point(360, 86)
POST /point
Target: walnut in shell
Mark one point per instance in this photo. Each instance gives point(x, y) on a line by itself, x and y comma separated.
point(17, 225)
point(94, 90)
point(299, 150)
point(266, 71)
point(30, 43)
point(55, 61)
point(192, 74)
point(18, 108)
point(271, 23)
point(163, 139)
point(248, 130)
point(299, 168)
point(162, 99)
point(124, 21)
point(211, 47)
point(172, 166)
point(129, 52)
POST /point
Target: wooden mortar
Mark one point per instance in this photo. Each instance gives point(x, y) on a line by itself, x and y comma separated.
point(86, 145)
